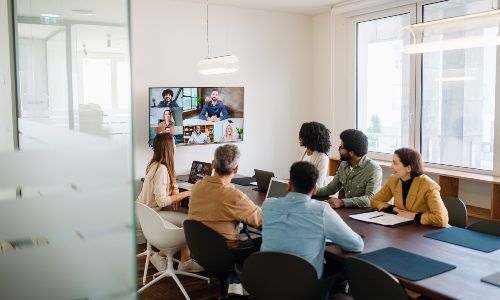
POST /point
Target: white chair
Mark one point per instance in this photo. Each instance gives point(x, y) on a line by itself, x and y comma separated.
point(166, 237)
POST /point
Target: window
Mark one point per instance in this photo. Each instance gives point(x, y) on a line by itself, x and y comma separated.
point(458, 96)
point(383, 74)
point(442, 103)
point(189, 98)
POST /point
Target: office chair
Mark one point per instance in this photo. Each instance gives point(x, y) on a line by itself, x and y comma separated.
point(277, 275)
point(487, 226)
point(370, 282)
point(210, 250)
point(457, 211)
point(166, 237)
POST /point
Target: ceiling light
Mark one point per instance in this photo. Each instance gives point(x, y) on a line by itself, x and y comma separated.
point(83, 12)
point(217, 65)
point(440, 35)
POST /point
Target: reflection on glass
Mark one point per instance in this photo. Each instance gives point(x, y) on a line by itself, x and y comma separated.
point(383, 75)
point(458, 95)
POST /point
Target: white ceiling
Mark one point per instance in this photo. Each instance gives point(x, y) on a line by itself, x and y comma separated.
point(306, 7)
point(114, 11)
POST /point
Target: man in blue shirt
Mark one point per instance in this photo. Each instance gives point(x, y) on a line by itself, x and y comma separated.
point(198, 137)
point(214, 110)
point(167, 96)
point(300, 225)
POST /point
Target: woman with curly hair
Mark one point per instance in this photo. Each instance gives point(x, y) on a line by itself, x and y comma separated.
point(315, 137)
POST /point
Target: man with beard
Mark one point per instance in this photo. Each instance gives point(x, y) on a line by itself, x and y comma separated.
point(214, 110)
point(358, 175)
point(167, 96)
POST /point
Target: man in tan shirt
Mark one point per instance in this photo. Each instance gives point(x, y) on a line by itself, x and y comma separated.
point(218, 204)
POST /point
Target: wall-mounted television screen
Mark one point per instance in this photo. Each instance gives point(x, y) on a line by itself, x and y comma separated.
point(197, 115)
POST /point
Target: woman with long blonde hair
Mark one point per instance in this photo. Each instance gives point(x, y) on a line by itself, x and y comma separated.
point(160, 191)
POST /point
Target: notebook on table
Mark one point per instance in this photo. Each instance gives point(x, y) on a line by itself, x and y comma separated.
point(382, 218)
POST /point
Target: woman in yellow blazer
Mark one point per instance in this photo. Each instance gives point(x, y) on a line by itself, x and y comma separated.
point(416, 196)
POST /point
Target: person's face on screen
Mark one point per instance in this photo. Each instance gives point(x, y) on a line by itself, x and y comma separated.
point(344, 154)
point(167, 115)
point(214, 96)
point(229, 130)
point(167, 98)
point(197, 129)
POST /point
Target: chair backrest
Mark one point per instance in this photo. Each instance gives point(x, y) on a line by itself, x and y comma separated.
point(457, 211)
point(208, 247)
point(368, 281)
point(487, 226)
point(277, 275)
point(158, 232)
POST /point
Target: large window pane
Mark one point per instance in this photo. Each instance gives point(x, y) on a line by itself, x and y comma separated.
point(458, 95)
point(383, 78)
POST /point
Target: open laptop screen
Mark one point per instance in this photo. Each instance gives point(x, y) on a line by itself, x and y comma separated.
point(199, 170)
point(277, 188)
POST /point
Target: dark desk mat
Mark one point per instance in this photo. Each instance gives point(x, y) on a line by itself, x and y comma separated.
point(406, 264)
point(492, 279)
point(467, 238)
point(245, 181)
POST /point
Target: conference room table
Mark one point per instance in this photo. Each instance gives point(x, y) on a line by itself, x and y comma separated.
point(464, 282)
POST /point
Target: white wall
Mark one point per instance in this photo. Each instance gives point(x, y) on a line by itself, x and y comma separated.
point(322, 78)
point(275, 52)
point(6, 97)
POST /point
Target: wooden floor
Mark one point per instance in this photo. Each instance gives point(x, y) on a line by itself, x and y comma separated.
point(197, 289)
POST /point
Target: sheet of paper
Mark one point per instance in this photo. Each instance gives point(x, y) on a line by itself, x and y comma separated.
point(254, 183)
point(381, 218)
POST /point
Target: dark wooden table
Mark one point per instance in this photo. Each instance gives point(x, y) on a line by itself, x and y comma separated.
point(461, 283)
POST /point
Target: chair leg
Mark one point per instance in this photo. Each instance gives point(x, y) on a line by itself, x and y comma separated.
point(180, 286)
point(193, 275)
point(165, 274)
point(148, 254)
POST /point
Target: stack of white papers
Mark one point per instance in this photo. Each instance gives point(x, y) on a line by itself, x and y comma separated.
point(381, 218)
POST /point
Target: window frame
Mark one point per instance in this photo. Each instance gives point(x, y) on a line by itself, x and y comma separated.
point(415, 105)
point(371, 16)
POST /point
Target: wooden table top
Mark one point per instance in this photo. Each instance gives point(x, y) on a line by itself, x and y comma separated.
point(461, 283)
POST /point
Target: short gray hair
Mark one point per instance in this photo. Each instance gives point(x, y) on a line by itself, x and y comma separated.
point(226, 159)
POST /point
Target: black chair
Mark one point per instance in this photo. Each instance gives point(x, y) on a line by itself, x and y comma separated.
point(370, 282)
point(210, 250)
point(457, 211)
point(488, 226)
point(276, 275)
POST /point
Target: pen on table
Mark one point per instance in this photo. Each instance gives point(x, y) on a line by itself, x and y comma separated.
point(375, 217)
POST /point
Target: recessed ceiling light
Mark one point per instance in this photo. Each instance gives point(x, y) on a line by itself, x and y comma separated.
point(50, 15)
point(83, 12)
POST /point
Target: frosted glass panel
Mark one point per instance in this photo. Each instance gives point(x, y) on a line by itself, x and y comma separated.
point(66, 197)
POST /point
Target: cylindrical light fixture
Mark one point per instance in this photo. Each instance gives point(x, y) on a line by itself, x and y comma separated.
point(463, 32)
point(219, 65)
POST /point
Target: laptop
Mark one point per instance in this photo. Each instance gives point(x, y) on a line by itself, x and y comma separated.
point(198, 171)
point(277, 188)
point(263, 178)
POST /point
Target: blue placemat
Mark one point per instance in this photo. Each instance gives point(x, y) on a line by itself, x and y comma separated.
point(406, 264)
point(243, 180)
point(467, 238)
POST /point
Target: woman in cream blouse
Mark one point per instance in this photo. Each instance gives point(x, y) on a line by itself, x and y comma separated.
point(315, 137)
point(160, 192)
point(416, 196)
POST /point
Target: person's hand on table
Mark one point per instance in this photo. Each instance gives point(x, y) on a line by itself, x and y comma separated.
point(335, 203)
point(404, 213)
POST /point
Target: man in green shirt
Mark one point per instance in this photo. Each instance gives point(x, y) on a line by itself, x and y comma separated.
point(358, 175)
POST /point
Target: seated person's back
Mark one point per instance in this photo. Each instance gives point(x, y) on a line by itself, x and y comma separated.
point(218, 204)
point(299, 225)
